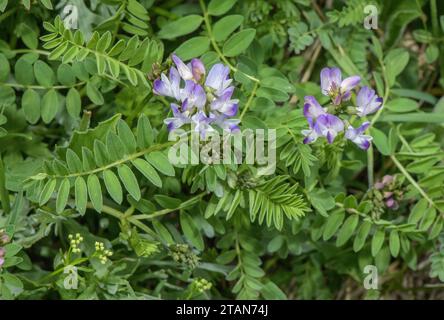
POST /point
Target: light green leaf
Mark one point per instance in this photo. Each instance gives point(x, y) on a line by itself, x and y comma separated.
point(95, 192)
point(31, 105)
point(129, 181)
point(81, 196)
point(239, 42)
point(193, 47)
point(148, 171)
point(113, 186)
point(44, 74)
point(377, 241)
point(219, 7)
point(161, 162)
point(180, 27)
point(191, 231)
point(62, 195)
point(47, 191)
point(73, 103)
point(50, 105)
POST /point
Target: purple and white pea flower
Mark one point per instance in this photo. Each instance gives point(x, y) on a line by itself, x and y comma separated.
point(194, 94)
point(333, 86)
point(357, 136)
point(205, 100)
point(218, 78)
point(329, 126)
point(312, 108)
point(202, 123)
point(367, 102)
point(193, 71)
point(224, 104)
point(311, 135)
point(179, 118)
point(168, 86)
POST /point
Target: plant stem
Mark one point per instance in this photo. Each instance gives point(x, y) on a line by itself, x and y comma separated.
point(216, 47)
point(249, 101)
point(118, 162)
point(159, 213)
point(412, 181)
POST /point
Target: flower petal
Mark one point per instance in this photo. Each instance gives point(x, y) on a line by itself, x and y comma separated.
point(183, 69)
point(312, 108)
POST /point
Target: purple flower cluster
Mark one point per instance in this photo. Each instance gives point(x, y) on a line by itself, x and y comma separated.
point(4, 239)
point(328, 124)
point(202, 101)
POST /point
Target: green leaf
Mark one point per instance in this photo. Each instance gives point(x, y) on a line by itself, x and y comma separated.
point(94, 94)
point(271, 291)
point(62, 195)
point(47, 191)
point(401, 105)
point(395, 62)
point(333, 223)
point(180, 27)
point(219, 7)
point(380, 140)
point(148, 171)
point(191, 231)
point(127, 137)
point(418, 117)
point(73, 103)
point(145, 135)
point(377, 241)
point(44, 74)
point(394, 243)
point(418, 211)
point(361, 236)
point(95, 192)
point(226, 26)
point(31, 106)
point(347, 229)
point(50, 106)
point(4, 68)
point(22, 72)
point(129, 181)
point(239, 42)
point(193, 47)
point(161, 162)
point(81, 196)
point(163, 232)
point(73, 161)
point(113, 186)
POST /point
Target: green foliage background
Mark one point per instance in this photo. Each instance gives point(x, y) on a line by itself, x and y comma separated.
point(83, 151)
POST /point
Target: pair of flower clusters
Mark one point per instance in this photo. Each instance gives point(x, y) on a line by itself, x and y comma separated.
point(4, 239)
point(202, 101)
point(325, 122)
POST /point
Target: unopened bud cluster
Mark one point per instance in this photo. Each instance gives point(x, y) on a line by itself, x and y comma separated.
point(102, 253)
point(387, 193)
point(201, 285)
point(4, 239)
point(182, 253)
point(74, 242)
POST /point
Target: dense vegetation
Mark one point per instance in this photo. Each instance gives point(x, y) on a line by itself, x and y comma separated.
point(92, 206)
